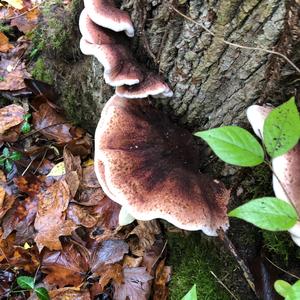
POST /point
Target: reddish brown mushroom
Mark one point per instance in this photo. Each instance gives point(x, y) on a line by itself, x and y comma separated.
point(152, 85)
point(106, 14)
point(112, 52)
point(149, 166)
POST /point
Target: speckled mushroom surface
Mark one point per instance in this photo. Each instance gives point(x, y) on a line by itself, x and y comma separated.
point(151, 168)
point(106, 14)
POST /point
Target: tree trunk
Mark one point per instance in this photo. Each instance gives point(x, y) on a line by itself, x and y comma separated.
point(213, 82)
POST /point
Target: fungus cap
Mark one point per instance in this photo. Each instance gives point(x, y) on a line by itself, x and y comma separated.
point(106, 14)
point(119, 66)
point(150, 168)
point(152, 85)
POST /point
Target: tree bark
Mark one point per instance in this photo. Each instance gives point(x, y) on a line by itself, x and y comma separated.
point(213, 82)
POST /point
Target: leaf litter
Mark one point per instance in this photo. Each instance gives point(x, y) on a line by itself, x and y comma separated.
point(56, 223)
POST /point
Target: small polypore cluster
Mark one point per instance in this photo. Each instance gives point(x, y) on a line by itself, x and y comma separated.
point(286, 167)
point(143, 161)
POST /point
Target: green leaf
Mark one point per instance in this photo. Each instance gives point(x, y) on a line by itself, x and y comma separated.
point(5, 152)
point(234, 145)
point(294, 292)
point(25, 128)
point(16, 155)
point(8, 165)
point(192, 294)
point(26, 282)
point(282, 287)
point(2, 160)
point(42, 293)
point(267, 213)
point(26, 117)
point(282, 128)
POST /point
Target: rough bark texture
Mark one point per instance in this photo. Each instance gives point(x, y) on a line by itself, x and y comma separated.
point(213, 83)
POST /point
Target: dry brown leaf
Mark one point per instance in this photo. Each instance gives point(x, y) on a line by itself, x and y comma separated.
point(69, 293)
point(7, 198)
point(67, 266)
point(136, 285)
point(11, 116)
point(5, 46)
point(50, 221)
point(132, 262)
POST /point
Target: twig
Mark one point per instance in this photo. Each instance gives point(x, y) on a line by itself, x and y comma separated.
point(160, 254)
point(246, 272)
point(223, 285)
point(235, 44)
point(287, 272)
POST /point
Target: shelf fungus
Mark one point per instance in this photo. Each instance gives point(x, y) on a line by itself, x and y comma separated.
point(121, 69)
point(106, 14)
point(112, 51)
point(150, 167)
point(286, 168)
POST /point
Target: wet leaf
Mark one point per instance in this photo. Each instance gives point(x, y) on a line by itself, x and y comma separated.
point(136, 285)
point(81, 215)
point(50, 221)
point(110, 252)
point(69, 293)
point(111, 272)
point(67, 266)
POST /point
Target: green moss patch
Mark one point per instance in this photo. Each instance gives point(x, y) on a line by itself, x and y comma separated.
point(192, 258)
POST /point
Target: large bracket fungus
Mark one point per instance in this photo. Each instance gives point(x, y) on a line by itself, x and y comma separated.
point(142, 160)
point(286, 168)
point(149, 166)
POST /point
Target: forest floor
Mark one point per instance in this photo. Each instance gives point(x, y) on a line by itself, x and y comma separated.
point(59, 234)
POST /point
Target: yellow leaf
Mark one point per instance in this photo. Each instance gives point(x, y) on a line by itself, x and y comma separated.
point(87, 163)
point(18, 4)
point(26, 246)
point(58, 170)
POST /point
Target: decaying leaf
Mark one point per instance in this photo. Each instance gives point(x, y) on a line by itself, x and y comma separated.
point(136, 285)
point(69, 293)
point(111, 272)
point(5, 46)
point(67, 266)
point(13, 73)
point(50, 221)
point(27, 21)
point(162, 278)
point(11, 116)
point(110, 252)
point(81, 215)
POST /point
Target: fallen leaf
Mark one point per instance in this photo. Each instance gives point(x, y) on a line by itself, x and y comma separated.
point(13, 73)
point(18, 4)
point(69, 293)
point(51, 124)
point(136, 285)
point(27, 21)
point(146, 233)
point(6, 278)
point(67, 266)
point(81, 216)
point(5, 46)
point(109, 252)
point(50, 221)
point(11, 116)
point(111, 272)
point(162, 278)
